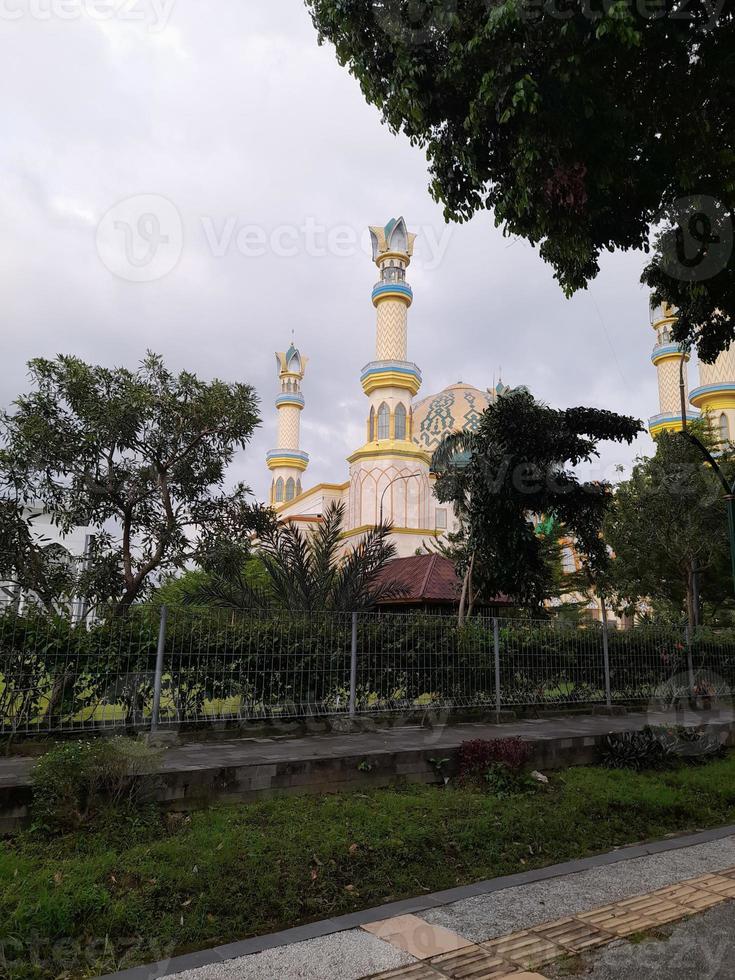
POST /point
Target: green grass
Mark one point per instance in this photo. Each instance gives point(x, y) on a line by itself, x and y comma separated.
point(141, 888)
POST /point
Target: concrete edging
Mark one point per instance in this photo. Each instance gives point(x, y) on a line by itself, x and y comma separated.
point(422, 903)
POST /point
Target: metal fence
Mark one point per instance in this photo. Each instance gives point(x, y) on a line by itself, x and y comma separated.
point(154, 667)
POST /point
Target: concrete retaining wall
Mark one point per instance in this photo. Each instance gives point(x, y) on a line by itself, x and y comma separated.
point(186, 787)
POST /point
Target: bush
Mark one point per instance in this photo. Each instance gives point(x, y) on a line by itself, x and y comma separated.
point(77, 781)
point(659, 748)
point(492, 762)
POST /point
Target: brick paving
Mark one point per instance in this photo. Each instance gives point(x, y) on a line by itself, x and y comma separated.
point(551, 942)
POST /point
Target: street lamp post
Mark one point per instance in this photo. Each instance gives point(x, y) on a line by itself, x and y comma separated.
point(728, 488)
point(685, 431)
point(407, 476)
point(729, 494)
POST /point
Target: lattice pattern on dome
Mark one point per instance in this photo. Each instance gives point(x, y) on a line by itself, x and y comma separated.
point(457, 408)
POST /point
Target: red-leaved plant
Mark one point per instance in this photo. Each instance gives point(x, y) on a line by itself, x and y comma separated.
point(475, 758)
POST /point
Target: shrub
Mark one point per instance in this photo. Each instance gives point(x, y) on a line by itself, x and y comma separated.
point(76, 781)
point(659, 748)
point(477, 758)
point(501, 781)
point(634, 750)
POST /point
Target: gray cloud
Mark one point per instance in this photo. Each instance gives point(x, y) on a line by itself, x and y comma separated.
point(238, 116)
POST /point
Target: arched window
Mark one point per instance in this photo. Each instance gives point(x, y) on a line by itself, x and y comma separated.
point(290, 488)
point(298, 488)
point(724, 428)
point(371, 425)
point(383, 422)
point(279, 490)
point(400, 421)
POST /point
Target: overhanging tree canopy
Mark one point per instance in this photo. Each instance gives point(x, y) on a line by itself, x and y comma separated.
point(583, 125)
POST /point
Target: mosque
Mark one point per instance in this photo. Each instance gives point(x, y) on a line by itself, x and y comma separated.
point(390, 475)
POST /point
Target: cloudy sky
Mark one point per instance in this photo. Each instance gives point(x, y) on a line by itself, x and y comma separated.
point(196, 179)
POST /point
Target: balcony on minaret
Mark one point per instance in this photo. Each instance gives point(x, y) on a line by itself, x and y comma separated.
point(666, 350)
point(392, 251)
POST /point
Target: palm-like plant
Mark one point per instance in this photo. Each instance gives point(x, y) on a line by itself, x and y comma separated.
point(305, 571)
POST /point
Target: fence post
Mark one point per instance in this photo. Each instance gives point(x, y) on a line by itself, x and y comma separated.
point(496, 648)
point(353, 667)
point(606, 658)
point(159, 669)
point(690, 662)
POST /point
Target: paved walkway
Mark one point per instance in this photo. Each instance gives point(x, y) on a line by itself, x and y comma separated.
point(195, 756)
point(701, 948)
point(507, 927)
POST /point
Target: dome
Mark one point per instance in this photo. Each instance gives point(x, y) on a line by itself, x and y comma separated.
point(455, 409)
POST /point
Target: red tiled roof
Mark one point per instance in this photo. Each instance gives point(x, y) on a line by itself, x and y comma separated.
point(425, 578)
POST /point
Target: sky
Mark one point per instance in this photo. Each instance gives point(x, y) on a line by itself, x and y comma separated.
point(197, 180)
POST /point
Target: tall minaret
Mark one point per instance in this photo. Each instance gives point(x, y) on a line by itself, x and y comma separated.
point(389, 474)
point(670, 360)
point(715, 396)
point(287, 462)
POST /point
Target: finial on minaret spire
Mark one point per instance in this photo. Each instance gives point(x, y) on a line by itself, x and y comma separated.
point(287, 462)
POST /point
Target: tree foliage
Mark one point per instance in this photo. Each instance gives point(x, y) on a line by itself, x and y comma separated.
point(138, 456)
point(582, 125)
point(666, 521)
point(307, 571)
point(518, 466)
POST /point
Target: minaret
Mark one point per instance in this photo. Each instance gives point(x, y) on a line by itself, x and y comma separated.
point(715, 396)
point(670, 360)
point(389, 474)
point(287, 462)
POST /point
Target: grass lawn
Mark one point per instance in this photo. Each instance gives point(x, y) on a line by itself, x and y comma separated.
point(142, 888)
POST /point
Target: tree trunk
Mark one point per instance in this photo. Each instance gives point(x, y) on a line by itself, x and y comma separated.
point(463, 598)
point(695, 592)
point(471, 595)
point(690, 596)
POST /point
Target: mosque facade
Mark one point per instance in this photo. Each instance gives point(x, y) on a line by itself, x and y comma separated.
point(389, 476)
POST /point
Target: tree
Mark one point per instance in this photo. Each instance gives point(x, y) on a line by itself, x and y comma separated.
point(518, 466)
point(139, 456)
point(666, 521)
point(583, 124)
point(306, 572)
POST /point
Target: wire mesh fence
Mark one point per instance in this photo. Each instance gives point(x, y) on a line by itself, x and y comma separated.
point(202, 667)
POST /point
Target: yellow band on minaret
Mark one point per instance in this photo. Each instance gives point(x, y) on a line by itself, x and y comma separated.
point(670, 361)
